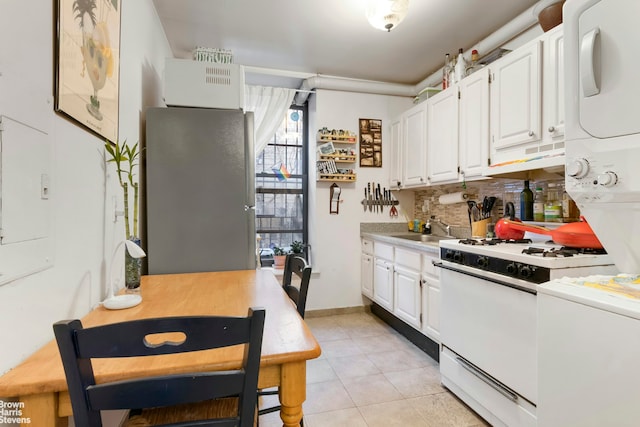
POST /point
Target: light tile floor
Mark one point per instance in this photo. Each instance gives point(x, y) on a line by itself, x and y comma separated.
point(370, 376)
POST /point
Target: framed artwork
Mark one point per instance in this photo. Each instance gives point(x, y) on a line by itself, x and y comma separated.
point(370, 143)
point(87, 64)
point(326, 148)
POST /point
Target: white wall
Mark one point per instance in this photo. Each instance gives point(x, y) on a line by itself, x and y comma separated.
point(83, 231)
point(335, 239)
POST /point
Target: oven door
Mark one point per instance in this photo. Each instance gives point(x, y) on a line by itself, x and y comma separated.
point(491, 325)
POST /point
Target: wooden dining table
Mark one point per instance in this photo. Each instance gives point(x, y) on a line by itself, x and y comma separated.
point(39, 382)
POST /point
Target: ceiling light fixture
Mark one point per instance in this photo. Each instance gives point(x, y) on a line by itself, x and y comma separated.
point(386, 14)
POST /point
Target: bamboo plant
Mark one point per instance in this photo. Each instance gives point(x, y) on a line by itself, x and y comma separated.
point(126, 159)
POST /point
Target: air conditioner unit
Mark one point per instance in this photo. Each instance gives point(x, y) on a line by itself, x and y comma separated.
point(190, 83)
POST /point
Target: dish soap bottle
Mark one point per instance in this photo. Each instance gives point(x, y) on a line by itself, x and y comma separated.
point(553, 207)
point(526, 203)
point(538, 205)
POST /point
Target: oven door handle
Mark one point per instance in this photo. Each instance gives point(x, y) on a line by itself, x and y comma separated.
point(488, 380)
point(488, 279)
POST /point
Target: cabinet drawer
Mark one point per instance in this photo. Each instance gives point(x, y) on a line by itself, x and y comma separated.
point(382, 250)
point(408, 259)
point(367, 246)
point(428, 267)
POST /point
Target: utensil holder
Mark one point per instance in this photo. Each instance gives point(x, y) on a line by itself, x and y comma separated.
point(479, 228)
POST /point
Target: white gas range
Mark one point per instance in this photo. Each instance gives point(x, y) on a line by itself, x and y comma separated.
point(524, 262)
point(489, 320)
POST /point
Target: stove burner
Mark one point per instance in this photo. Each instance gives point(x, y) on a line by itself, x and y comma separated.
point(562, 252)
point(585, 251)
point(491, 242)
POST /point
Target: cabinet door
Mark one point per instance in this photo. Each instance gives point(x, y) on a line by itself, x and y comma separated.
point(395, 169)
point(553, 92)
point(414, 150)
point(407, 301)
point(431, 308)
point(474, 124)
point(383, 284)
point(366, 275)
point(442, 136)
point(515, 97)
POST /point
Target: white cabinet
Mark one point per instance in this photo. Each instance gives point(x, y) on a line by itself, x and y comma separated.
point(430, 297)
point(553, 88)
point(395, 160)
point(515, 97)
point(366, 275)
point(414, 147)
point(442, 136)
point(473, 143)
point(407, 287)
point(527, 107)
point(383, 275)
point(366, 268)
point(383, 283)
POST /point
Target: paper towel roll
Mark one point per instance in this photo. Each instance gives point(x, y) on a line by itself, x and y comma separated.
point(447, 199)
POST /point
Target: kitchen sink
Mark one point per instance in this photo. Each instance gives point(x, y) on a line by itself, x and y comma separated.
point(420, 237)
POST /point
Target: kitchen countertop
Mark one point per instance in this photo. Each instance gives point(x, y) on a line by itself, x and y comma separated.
point(388, 237)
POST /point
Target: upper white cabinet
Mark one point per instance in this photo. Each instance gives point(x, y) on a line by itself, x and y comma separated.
point(515, 97)
point(527, 107)
point(442, 136)
point(553, 87)
point(395, 161)
point(473, 143)
point(414, 147)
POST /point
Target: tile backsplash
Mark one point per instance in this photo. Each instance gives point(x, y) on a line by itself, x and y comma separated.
point(427, 204)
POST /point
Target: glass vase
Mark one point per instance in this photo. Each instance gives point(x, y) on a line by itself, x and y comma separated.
point(132, 267)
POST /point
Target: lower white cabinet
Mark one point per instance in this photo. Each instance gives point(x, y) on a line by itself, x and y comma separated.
point(431, 296)
point(404, 282)
point(366, 275)
point(383, 283)
point(407, 293)
point(431, 303)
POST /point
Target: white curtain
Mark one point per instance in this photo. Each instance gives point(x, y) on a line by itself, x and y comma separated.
point(269, 105)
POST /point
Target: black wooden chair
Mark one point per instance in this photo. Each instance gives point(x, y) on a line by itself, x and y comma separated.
point(225, 398)
point(294, 264)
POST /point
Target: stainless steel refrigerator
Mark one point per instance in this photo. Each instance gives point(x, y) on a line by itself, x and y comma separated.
point(200, 190)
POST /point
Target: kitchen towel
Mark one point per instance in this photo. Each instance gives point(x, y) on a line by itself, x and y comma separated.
point(448, 199)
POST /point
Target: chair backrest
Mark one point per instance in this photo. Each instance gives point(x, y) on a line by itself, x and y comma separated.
point(135, 338)
point(295, 264)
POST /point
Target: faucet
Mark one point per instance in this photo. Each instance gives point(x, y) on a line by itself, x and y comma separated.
point(446, 226)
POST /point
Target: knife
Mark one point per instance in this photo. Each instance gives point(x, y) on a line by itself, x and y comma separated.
point(369, 196)
point(380, 196)
point(364, 202)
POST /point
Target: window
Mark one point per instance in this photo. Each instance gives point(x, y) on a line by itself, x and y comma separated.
point(281, 186)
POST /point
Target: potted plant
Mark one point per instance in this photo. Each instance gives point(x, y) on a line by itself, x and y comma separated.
point(126, 159)
point(279, 256)
point(297, 247)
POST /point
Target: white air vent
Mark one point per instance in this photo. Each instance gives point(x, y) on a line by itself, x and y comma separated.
point(218, 76)
point(190, 83)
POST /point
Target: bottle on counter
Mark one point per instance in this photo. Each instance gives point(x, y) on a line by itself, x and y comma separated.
point(553, 205)
point(538, 205)
point(446, 71)
point(570, 211)
point(460, 67)
point(526, 203)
